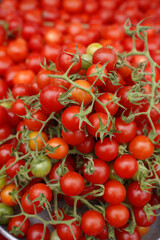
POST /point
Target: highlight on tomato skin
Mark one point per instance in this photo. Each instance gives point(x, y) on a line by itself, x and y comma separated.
point(79, 118)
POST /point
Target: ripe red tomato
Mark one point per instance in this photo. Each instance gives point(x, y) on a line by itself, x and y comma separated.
point(105, 98)
point(141, 217)
point(5, 153)
point(115, 192)
point(17, 49)
point(72, 183)
point(5, 131)
point(38, 189)
point(65, 59)
point(28, 206)
point(69, 121)
point(127, 131)
point(93, 73)
point(117, 215)
point(87, 145)
point(95, 119)
point(36, 232)
point(101, 173)
point(106, 150)
point(136, 196)
point(49, 98)
point(73, 138)
point(12, 168)
point(126, 166)
point(36, 124)
point(64, 232)
point(19, 221)
point(137, 144)
point(103, 55)
point(92, 223)
point(122, 234)
point(56, 173)
point(3, 114)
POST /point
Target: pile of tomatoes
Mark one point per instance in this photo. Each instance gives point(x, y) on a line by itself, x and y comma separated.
point(79, 118)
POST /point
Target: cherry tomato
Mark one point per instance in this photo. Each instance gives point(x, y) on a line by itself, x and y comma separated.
point(93, 73)
point(98, 121)
point(126, 131)
point(87, 145)
point(56, 172)
point(65, 233)
point(106, 150)
point(80, 95)
point(36, 232)
point(100, 174)
point(19, 221)
point(125, 166)
point(73, 138)
point(36, 124)
point(37, 140)
point(5, 213)
point(115, 192)
point(49, 98)
point(136, 196)
point(117, 215)
point(72, 183)
point(141, 217)
point(41, 167)
point(122, 234)
point(62, 148)
point(13, 167)
point(137, 144)
point(142, 230)
point(5, 194)
point(92, 223)
point(103, 55)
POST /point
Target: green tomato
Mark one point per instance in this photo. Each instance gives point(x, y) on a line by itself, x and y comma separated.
point(2, 181)
point(86, 61)
point(5, 213)
point(93, 47)
point(54, 235)
point(41, 166)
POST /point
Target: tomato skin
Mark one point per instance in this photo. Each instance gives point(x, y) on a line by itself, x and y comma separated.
point(28, 206)
point(124, 235)
point(123, 93)
point(16, 222)
point(79, 95)
point(127, 131)
point(49, 98)
point(137, 144)
point(65, 59)
point(117, 215)
point(69, 121)
point(42, 78)
point(111, 106)
point(142, 230)
point(64, 231)
point(92, 223)
point(4, 211)
point(104, 54)
point(33, 140)
point(5, 63)
point(61, 151)
point(3, 89)
point(101, 173)
point(107, 150)
point(36, 125)
point(19, 107)
point(12, 170)
point(73, 138)
point(24, 76)
point(141, 217)
point(104, 234)
point(72, 183)
point(41, 167)
point(126, 166)
point(5, 194)
point(36, 232)
point(53, 173)
point(95, 122)
point(95, 79)
point(20, 89)
point(115, 192)
point(5, 153)
point(5, 131)
point(87, 145)
point(136, 196)
point(37, 189)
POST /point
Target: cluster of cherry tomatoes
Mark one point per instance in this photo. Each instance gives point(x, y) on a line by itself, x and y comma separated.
point(79, 119)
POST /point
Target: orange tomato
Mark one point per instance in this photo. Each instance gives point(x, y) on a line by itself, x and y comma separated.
point(61, 151)
point(24, 76)
point(5, 194)
point(37, 142)
point(142, 230)
point(80, 95)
